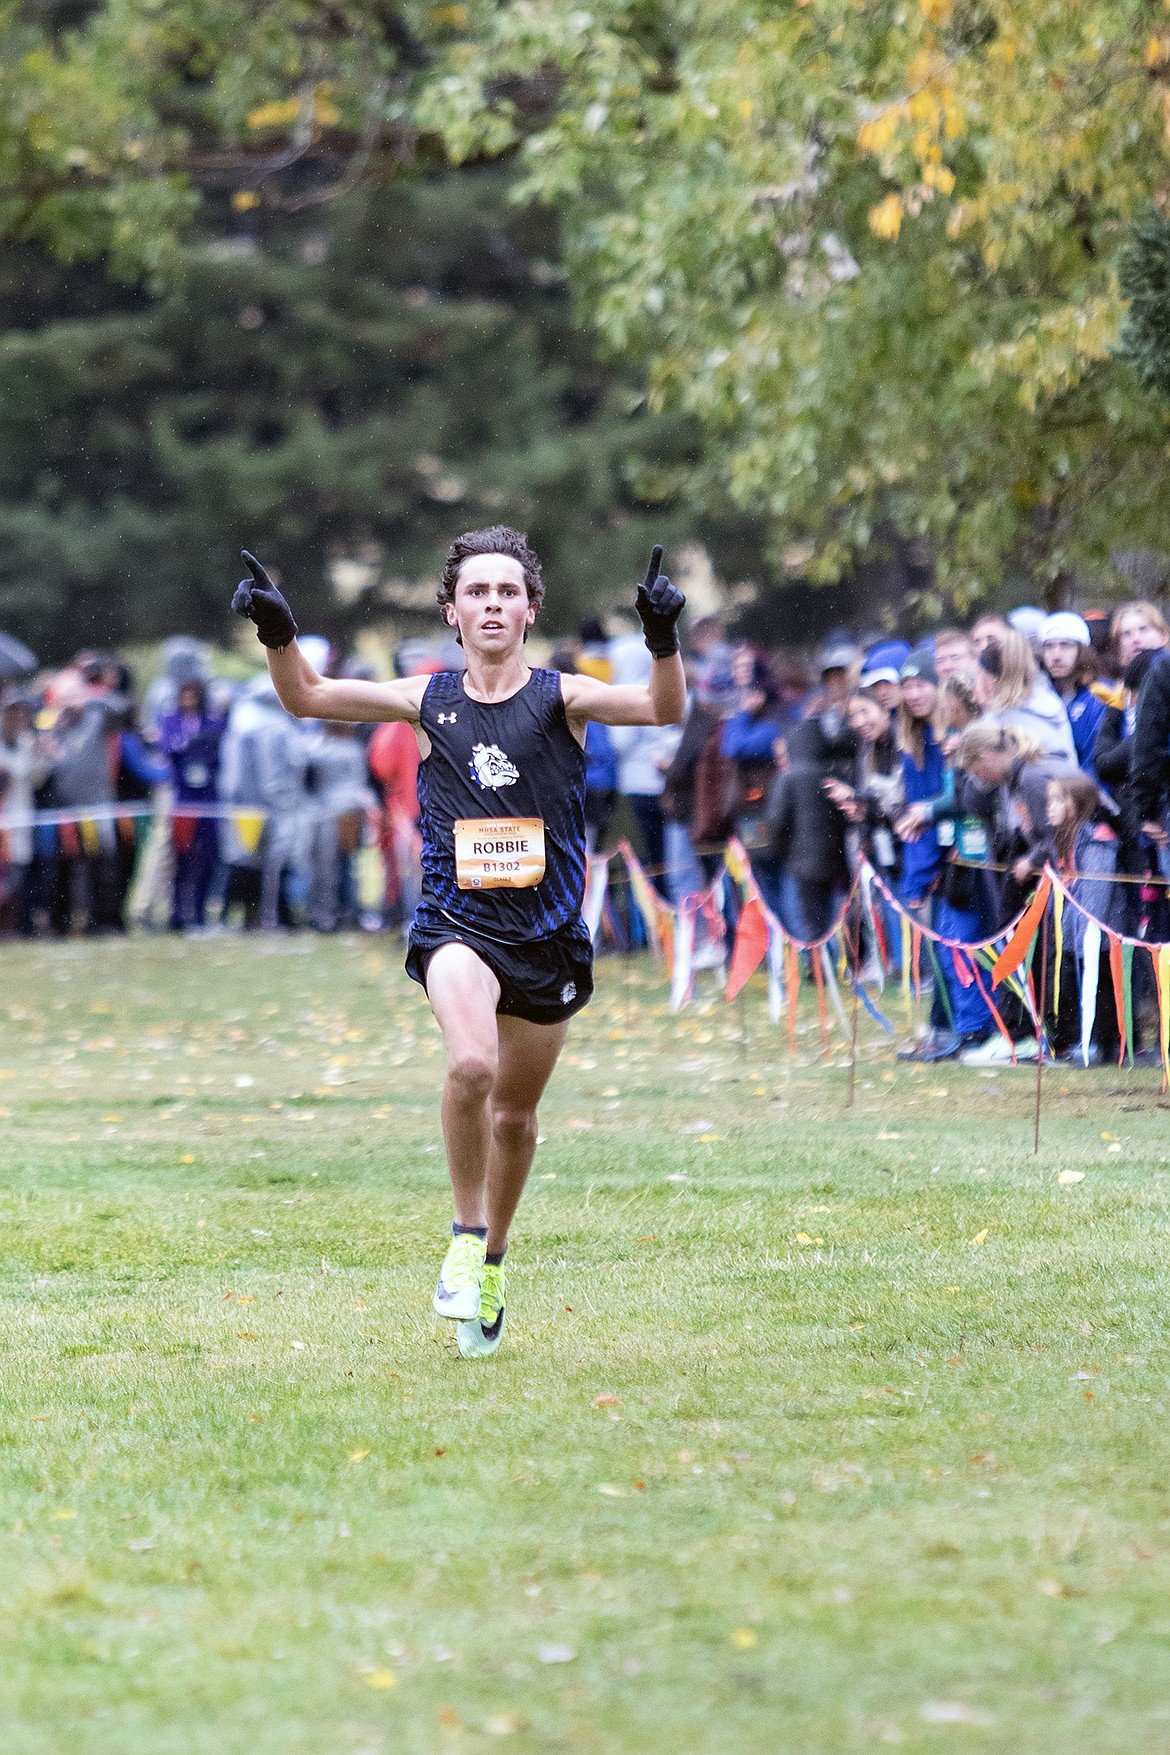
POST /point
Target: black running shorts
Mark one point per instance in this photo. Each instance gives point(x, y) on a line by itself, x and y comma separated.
point(544, 982)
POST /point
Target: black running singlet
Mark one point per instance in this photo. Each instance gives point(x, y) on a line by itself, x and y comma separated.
point(502, 809)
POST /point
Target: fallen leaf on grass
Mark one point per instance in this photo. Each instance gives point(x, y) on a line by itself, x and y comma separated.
point(743, 1638)
point(612, 1492)
point(504, 1724)
point(298, 1346)
point(954, 1712)
point(245, 1334)
point(555, 1654)
point(63, 1513)
point(803, 1237)
point(980, 1237)
point(381, 1679)
point(140, 1544)
point(607, 1401)
point(1067, 1177)
point(358, 1455)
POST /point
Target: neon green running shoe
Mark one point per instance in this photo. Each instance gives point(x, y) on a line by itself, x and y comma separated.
point(457, 1293)
point(482, 1337)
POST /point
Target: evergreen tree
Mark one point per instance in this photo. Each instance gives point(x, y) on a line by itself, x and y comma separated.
point(369, 377)
point(1143, 269)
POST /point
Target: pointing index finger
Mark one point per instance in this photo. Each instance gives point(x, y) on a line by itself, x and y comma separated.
point(254, 567)
point(655, 564)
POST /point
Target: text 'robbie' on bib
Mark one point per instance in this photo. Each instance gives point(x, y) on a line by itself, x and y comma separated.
point(499, 853)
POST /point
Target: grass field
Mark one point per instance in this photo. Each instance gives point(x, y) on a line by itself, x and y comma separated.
point(816, 1429)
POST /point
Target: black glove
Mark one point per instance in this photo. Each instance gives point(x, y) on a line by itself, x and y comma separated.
point(261, 602)
point(659, 603)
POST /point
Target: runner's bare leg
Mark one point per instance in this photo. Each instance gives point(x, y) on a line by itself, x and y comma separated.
point(464, 994)
point(527, 1055)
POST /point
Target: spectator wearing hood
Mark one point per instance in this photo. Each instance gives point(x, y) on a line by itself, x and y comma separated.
point(191, 738)
point(1015, 696)
point(263, 770)
point(1068, 660)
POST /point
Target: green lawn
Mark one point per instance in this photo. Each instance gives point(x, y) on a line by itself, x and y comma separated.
point(816, 1429)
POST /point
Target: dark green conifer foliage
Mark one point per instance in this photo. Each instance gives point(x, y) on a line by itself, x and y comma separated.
point(387, 370)
point(1144, 273)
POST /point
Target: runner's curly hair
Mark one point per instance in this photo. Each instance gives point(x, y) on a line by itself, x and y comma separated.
point(499, 539)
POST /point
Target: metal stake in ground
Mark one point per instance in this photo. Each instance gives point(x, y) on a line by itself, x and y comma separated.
point(1040, 1027)
point(856, 977)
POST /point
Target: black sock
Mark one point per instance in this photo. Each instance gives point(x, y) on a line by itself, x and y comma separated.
point(495, 1257)
point(469, 1230)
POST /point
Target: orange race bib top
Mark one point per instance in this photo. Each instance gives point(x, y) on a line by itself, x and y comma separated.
point(499, 853)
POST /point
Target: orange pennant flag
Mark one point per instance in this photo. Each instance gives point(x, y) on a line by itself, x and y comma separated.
point(1116, 971)
point(751, 947)
point(1016, 948)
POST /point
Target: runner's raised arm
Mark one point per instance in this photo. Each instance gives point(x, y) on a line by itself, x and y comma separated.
point(663, 700)
point(301, 690)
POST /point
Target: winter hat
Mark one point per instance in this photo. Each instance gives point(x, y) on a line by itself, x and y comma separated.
point(1029, 621)
point(883, 662)
point(920, 664)
point(1065, 624)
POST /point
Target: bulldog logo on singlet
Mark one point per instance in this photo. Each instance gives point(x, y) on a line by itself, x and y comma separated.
point(491, 768)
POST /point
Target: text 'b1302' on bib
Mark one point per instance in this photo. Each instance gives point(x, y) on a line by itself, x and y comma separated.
point(499, 853)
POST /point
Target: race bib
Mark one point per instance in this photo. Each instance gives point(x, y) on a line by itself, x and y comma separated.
point(499, 853)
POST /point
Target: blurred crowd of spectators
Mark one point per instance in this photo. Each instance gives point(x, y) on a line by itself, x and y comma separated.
point(957, 766)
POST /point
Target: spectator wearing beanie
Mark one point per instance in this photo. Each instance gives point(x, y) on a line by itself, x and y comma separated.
point(1068, 660)
point(923, 773)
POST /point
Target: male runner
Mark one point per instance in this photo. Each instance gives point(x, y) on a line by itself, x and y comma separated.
point(497, 941)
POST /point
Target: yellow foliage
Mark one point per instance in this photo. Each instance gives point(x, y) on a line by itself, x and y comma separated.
point(885, 220)
point(325, 114)
point(936, 11)
point(277, 114)
point(1157, 52)
point(878, 133)
point(244, 200)
point(939, 177)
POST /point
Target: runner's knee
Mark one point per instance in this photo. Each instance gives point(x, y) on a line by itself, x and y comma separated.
point(471, 1074)
point(511, 1118)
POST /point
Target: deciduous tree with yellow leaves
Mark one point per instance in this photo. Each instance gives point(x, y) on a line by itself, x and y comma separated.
point(873, 246)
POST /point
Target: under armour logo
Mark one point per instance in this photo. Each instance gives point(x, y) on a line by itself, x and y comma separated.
point(447, 718)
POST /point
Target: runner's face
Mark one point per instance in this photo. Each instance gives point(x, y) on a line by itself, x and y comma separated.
point(491, 608)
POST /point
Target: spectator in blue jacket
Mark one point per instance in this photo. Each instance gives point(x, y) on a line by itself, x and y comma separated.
point(1066, 653)
point(190, 738)
point(923, 773)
